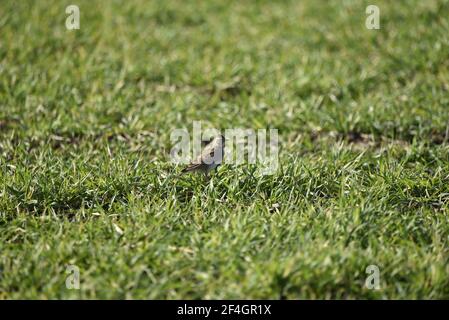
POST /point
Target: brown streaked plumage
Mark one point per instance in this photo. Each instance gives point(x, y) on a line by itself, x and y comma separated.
point(210, 158)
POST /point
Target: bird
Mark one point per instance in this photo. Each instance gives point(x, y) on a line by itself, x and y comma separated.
point(210, 158)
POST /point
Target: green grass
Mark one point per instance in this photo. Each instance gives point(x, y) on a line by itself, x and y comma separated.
point(85, 123)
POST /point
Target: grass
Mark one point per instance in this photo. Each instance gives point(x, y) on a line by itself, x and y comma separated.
point(85, 123)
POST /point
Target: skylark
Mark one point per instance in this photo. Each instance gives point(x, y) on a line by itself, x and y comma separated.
point(210, 158)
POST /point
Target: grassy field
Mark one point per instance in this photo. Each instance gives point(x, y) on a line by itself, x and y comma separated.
point(86, 180)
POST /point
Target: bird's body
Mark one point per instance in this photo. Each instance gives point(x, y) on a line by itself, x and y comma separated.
point(210, 158)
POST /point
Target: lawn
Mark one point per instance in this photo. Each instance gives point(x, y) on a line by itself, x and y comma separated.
point(86, 180)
